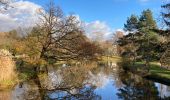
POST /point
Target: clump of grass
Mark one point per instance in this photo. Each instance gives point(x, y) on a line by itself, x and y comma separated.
point(7, 69)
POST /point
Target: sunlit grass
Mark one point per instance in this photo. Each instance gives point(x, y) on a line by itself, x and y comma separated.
point(155, 71)
point(111, 58)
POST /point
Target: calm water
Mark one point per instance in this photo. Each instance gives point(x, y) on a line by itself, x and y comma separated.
point(89, 81)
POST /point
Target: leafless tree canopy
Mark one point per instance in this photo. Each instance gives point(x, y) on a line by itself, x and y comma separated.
point(59, 36)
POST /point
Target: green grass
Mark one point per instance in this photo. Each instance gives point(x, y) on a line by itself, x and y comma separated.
point(155, 72)
point(159, 73)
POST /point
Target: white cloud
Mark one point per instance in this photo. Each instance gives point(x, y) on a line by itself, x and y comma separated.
point(97, 30)
point(23, 13)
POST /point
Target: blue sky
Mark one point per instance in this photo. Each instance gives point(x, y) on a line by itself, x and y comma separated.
point(102, 17)
point(112, 12)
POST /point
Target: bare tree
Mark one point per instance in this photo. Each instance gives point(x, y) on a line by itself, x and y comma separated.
point(59, 37)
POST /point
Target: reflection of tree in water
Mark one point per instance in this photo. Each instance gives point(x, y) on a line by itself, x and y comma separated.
point(28, 91)
point(71, 83)
point(137, 88)
point(84, 93)
point(75, 78)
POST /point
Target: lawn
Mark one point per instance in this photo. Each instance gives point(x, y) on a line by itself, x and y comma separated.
point(156, 72)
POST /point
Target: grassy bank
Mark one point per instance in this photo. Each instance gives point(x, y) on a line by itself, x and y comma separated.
point(156, 72)
point(159, 74)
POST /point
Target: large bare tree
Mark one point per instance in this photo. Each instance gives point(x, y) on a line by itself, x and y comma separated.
point(59, 37)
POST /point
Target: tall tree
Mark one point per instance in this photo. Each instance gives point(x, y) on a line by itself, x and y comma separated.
point(131, 46)
point(59, 38)
point(149, 38)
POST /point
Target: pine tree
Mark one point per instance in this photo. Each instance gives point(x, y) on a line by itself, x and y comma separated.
point(131, 24)
point(146, 21)
point(131, 45)
point(149, 38)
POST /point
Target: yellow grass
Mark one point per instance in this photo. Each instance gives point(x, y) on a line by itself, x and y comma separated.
point(7, 69)
point(111, 58)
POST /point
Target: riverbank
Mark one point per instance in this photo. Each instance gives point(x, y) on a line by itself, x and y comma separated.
point(159, 74)
point(156, 72)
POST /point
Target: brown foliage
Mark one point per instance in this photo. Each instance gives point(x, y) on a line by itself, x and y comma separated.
point(88, 50)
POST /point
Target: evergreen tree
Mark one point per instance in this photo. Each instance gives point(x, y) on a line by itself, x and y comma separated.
point(131, 24)
point(146, 21)
point(149, 38)
point(131, 45)
point(141, 42)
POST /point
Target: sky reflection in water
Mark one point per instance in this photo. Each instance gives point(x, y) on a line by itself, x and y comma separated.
point(101, 82)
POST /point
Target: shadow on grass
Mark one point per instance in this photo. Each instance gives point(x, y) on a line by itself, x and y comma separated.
point(156, 72)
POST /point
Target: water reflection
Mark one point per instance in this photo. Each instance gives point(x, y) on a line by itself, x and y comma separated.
point(164, 90)
point(88, 81)
point(84, 93)
point(136, 88)
point(29, 91)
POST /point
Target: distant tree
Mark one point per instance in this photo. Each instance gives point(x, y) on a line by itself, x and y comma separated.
point(117, 36)
point(89, 51)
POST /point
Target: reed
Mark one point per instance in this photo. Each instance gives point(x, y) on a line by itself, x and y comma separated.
point(7, 69)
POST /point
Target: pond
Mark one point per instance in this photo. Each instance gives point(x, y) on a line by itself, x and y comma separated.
point(88, 81)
